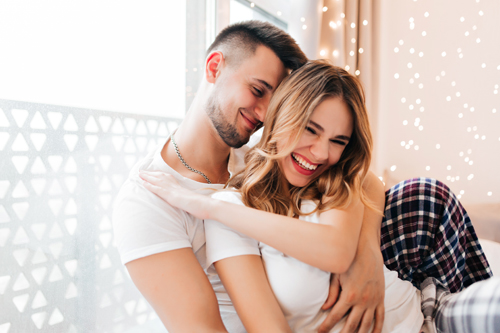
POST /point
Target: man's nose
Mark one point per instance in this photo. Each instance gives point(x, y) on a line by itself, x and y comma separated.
point(261, 109)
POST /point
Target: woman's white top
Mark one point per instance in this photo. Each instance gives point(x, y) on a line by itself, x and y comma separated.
point(302, 289)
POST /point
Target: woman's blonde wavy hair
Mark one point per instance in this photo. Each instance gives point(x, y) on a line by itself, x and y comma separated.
point(262, 183)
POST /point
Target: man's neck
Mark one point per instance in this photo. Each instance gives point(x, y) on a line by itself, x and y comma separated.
point(201, 148)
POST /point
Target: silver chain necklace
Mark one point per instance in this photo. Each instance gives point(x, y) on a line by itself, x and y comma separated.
point(184, 162)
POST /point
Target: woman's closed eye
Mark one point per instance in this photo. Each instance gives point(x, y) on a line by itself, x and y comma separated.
point(311, 130)
point(340, 142)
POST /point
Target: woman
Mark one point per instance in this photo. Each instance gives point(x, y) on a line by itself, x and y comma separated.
point(308, 168)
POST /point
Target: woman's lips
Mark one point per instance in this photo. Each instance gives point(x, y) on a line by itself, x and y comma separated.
point(300, 169)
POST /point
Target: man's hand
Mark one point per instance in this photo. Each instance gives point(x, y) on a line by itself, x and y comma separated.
point(361, 290)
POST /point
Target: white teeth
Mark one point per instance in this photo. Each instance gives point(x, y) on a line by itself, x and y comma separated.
point(303, 163)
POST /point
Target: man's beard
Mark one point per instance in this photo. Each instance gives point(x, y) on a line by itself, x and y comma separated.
point(227, 131)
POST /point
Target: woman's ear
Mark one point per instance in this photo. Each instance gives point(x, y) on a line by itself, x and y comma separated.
point(214, 63)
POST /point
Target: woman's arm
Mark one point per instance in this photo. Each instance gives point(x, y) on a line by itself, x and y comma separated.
point(245, 281)
point(330, 245)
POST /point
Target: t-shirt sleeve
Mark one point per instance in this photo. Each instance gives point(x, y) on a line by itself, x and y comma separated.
point(223, 242)
point(145, 225)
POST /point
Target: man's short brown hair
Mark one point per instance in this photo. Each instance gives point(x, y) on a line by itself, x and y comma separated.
point(240, 40)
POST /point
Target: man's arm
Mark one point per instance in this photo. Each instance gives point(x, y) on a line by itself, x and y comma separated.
point(177, 288)
point(363, 285)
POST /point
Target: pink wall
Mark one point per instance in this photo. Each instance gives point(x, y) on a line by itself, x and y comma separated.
point(439, 105)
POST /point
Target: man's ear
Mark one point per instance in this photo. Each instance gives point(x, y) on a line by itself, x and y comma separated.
point(214, 63)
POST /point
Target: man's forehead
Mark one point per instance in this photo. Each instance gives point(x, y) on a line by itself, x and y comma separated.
point(265, 67)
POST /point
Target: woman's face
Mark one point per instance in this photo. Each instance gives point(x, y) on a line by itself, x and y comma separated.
point(321, 144)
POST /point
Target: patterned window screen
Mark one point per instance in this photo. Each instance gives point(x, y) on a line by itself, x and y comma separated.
point(60, 170)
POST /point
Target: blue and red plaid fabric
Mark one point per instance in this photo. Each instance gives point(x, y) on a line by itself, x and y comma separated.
point(427, 233)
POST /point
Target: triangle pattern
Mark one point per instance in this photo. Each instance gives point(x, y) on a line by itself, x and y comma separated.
point(70, 166)
point(70, 124)
point(71, 292)
point(20, 163)
point(39, 300)
point(141, 128)
point(38, 274)
point(38, 185)
point(21, 283)
point(55, 162)
point(20, 208)
point(71, 208)
point(4, 234)
point(152, 126)
point(39, 257)
point(71, 225)
point(4, 282)
point(3, 119)
point(130, 124)
point(91, 141)
point(4, 137)
point(20, 191)
point(38, 167)
point(21, 237)
point(56, 188)
point(71, 182)
point(56, 249)
point(38, 139)
point(117, 127)
point(56, 317)
point(20, 143)
point(21, 256)
point(71, 140)
point(56, 231)
point(162, 130)
point(39, 318)
point(55, 206)
point(54, 119)
point(39, 229)
point(56, 274)
point(4, 186)
point(37, 122)
point(20, 302)
point(4, 216)
point(19, 116)
point(105, 162)
point(91, 125)
point(105, 122)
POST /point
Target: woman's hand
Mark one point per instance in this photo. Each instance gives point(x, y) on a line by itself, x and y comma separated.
point(166, 187)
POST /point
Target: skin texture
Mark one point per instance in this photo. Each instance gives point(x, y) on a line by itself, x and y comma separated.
point(322, 143)
point(241, 96)
point(335, 237)
point(174, 282)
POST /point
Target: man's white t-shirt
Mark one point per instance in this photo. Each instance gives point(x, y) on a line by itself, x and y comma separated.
point(302, 289)
point(145, 225)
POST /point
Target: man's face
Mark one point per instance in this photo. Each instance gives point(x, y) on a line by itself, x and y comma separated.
point(241, 95)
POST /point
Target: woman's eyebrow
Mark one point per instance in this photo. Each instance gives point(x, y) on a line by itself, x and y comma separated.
point(318, 126)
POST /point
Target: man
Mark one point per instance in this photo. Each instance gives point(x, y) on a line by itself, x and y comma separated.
point(164, 248)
